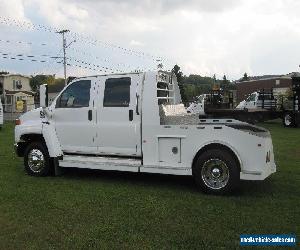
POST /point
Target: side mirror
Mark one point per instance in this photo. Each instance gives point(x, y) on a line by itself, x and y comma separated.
point(44, 96)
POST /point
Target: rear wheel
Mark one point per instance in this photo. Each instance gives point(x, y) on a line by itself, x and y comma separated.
point(216, 171)
point(288, 120)
point(36, 159)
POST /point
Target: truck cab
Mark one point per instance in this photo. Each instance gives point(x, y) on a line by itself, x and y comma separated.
point(197, 106)
point(258, 100)
point(135, 122)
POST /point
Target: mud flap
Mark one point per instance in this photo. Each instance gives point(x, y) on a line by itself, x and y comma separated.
point(58, 171)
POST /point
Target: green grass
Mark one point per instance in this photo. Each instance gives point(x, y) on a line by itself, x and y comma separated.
point(98, 209)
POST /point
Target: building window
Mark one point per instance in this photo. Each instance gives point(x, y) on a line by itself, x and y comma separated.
point(277, 82)
point(117, 92)
point(18, 84)
point(8, 99)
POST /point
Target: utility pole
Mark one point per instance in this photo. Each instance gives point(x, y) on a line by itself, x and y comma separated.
point(62, 32)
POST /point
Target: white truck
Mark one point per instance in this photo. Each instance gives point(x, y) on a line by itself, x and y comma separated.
point(258, 100)
point(135, 122)
point(197, 106)
point(1, 115)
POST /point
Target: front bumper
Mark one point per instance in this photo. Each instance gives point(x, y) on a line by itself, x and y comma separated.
point(19, 148)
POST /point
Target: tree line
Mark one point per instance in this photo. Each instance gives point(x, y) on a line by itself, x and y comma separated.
point(195, 85)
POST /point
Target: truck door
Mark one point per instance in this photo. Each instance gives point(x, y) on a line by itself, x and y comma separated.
point(118, 115)
point(75, 117)
point(251, 101)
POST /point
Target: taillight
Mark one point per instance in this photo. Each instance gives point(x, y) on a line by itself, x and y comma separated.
point(268, 157)
point(18, 122)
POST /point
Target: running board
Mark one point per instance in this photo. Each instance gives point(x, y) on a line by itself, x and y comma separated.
point(101, 163)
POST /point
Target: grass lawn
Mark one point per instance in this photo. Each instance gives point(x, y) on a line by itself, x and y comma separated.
point(98, 209)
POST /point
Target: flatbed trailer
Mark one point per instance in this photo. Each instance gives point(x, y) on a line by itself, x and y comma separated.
point(251, 116)
point(267, 110)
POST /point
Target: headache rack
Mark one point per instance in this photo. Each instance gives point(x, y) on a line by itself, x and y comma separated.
point(165, 88)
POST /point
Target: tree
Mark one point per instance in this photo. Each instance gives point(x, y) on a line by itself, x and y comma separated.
point(179, 77)
point(38, 80)
point(224, 83)
point(214, 78)
point(245, 77)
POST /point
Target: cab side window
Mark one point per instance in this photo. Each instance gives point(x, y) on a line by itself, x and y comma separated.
point(77, 95)
point(117, 92)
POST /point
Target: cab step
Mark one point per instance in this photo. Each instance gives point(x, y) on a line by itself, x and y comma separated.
point(101, 163)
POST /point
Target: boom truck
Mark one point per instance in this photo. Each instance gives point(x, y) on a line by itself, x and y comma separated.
point(135, 122)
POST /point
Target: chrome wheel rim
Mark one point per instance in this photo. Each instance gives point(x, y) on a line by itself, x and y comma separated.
point(287, 120)
point(36, 160)
point(215, 174)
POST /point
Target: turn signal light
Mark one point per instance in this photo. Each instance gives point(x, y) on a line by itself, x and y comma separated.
point(18, 122)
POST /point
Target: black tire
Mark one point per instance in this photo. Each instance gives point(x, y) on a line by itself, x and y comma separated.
point(40, 165)
point(288, 120)
point(212, 163)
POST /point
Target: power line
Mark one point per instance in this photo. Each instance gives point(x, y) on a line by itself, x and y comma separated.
point(24, 24)
point(28, 25)
point(78, 36)
point(24, 42)
point(36, 57)
point(44, 61)
point(78, 63)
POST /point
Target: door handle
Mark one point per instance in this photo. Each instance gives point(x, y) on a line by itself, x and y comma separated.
point(130, 115)
point(137, 104)
point(90, 115)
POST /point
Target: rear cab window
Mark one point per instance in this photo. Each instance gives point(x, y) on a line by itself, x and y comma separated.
point(117, 92)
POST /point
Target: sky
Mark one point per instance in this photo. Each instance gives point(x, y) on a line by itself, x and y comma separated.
point(205, 37)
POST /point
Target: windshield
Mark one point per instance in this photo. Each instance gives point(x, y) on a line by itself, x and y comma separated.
point(251, 98)
point(200, 98)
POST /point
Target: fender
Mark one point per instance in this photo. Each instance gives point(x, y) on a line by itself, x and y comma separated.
point(51, 140)
point(28, 128)
point(223, 143)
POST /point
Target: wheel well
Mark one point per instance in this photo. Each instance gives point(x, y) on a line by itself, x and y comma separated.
point(27, 139)
point(220, 147)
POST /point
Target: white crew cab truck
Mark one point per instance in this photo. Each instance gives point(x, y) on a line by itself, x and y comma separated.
point(135, 122)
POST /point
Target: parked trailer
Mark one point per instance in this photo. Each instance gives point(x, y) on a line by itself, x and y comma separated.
point(291, 118)
point(251, 116)
point(135, 122)
point(260, 106)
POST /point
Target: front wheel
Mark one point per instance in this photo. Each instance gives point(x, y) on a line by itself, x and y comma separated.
point(36, 159)
point(216, 171)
